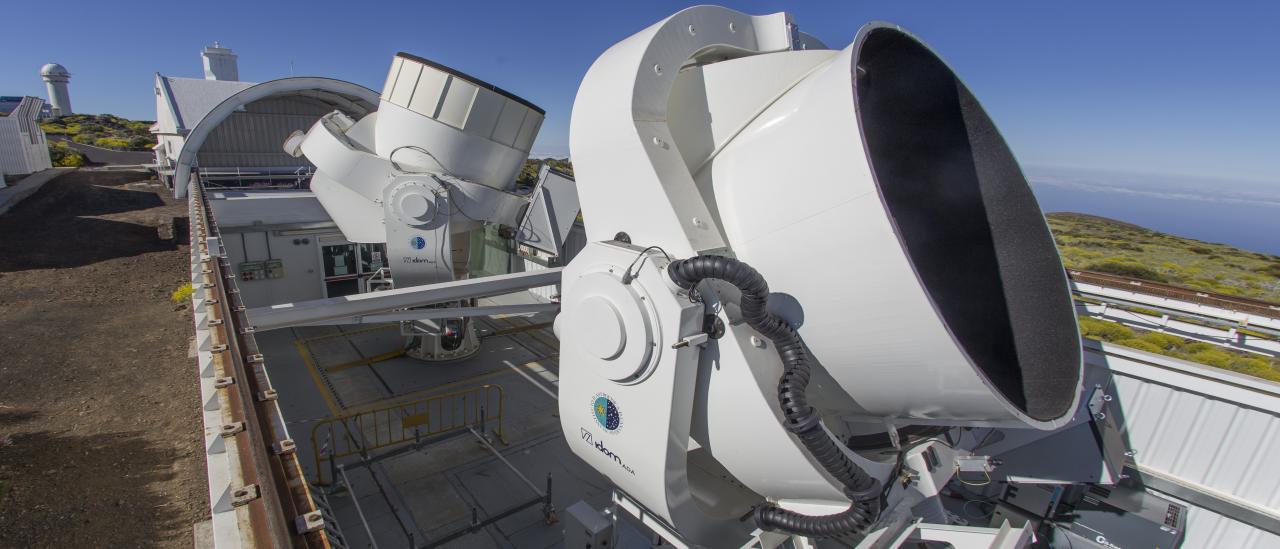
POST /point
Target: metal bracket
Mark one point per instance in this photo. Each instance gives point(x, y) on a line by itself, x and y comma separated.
point(1097, 402)
point(285, 446)
point(245, 495)
point(310, 522)
point(223, 382)
point(974, 464)
point(269, 394)
point(232, 429)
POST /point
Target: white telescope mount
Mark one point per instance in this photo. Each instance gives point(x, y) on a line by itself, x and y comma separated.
point(745, 186)
point(438, 160)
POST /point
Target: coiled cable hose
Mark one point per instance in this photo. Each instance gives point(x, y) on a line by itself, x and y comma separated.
point(800, 418)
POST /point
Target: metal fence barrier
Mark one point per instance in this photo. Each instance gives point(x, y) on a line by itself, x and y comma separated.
point(412, 421)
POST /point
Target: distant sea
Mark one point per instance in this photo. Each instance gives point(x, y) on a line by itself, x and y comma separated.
point(1243, 214)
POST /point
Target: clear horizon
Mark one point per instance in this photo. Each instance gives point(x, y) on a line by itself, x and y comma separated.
point(1161, 88)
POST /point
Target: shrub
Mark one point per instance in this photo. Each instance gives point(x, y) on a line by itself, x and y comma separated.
point(1126, 268)
point(63, 156)
point(1200, 250)
point(112, 142)
point(1213, 357)
point(182, 294)
point(1106, 331)
point(1256, 367)
point(1197, 346)
point(141, 143)
point(1165, 342)
point(1141, 345)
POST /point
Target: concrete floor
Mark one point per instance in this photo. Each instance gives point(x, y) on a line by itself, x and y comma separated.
point(413, 494)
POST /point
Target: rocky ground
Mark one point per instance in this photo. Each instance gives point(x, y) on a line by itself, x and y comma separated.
point(100, 438)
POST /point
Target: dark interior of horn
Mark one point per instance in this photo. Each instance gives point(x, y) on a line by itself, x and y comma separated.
point(969, 223)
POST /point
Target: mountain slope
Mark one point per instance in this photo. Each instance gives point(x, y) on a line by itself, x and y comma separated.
point(1105, 245)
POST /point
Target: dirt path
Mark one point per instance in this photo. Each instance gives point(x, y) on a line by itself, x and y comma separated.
point(99, 403)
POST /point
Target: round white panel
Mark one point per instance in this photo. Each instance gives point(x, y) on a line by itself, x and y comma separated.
point(608, 323)
point(417, 206)
point(600, 327)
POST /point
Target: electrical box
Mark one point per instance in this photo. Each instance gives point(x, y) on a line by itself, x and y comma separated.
point(252, 270)
point(274, 268)
point(261, 270)
point(585, 527)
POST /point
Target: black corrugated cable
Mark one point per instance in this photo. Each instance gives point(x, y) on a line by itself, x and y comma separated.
point(801, 419)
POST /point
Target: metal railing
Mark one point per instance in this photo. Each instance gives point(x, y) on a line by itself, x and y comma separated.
point(362, 432)
point(256, 488)
point(1190, 295)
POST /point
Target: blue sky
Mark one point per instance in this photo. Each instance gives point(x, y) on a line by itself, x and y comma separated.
point(1156, 87)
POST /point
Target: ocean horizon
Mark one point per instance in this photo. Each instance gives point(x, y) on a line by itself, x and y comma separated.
point(1241, 214)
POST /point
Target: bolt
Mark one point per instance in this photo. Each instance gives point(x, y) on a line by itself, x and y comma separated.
point(756, 341)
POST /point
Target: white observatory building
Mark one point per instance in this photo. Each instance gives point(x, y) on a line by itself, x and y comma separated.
point(220, 63)
point(56, 78)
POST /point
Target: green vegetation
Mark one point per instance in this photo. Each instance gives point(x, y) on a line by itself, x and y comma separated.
point(102, 130)
point(63, 156)
point(1108, 246)
point(1185, 349)
point(182, 294)
point(529, 172)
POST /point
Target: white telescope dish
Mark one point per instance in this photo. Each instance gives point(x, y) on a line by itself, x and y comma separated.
point(868, 185)
point(893, 228)
point(432, 119)
point(438, 158)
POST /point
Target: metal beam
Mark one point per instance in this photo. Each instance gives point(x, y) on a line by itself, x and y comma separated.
point(431, 314)
point(1207, 498)
point(307, 312)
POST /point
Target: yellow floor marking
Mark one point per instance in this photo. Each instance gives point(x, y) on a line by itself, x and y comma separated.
point(366, 361)
point(315, 377)
point(351, 333)
point(427, 392)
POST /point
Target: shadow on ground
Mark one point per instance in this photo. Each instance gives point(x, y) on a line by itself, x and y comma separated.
point(58, 227)
point(69, 489)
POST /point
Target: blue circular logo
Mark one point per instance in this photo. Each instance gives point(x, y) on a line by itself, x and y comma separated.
point(606, 412)
point(418, 242)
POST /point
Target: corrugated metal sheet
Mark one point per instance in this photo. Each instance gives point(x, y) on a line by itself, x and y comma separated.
point(23, 148)
point(255, 137)
point(1204, 427)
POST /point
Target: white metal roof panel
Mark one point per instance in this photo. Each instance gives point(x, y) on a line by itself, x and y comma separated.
point(232, 209)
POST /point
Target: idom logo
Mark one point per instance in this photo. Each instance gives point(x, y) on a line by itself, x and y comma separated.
point(418, 242)
point(606, 412)
point(608, 454)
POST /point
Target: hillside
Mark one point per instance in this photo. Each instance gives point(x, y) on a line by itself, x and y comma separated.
point(1109, 246)
point(529, 171)
point(102, 130)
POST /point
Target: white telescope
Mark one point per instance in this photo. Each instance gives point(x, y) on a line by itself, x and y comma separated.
point(438, 158)
point(870, 191)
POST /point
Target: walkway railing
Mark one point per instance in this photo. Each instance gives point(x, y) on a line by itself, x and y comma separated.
point(362, 432)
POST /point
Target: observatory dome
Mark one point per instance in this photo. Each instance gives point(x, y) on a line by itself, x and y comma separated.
point(54, 69)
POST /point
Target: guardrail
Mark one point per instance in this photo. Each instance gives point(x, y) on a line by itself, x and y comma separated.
point(258, 495)
point(362, 432)
point(1233, 303)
